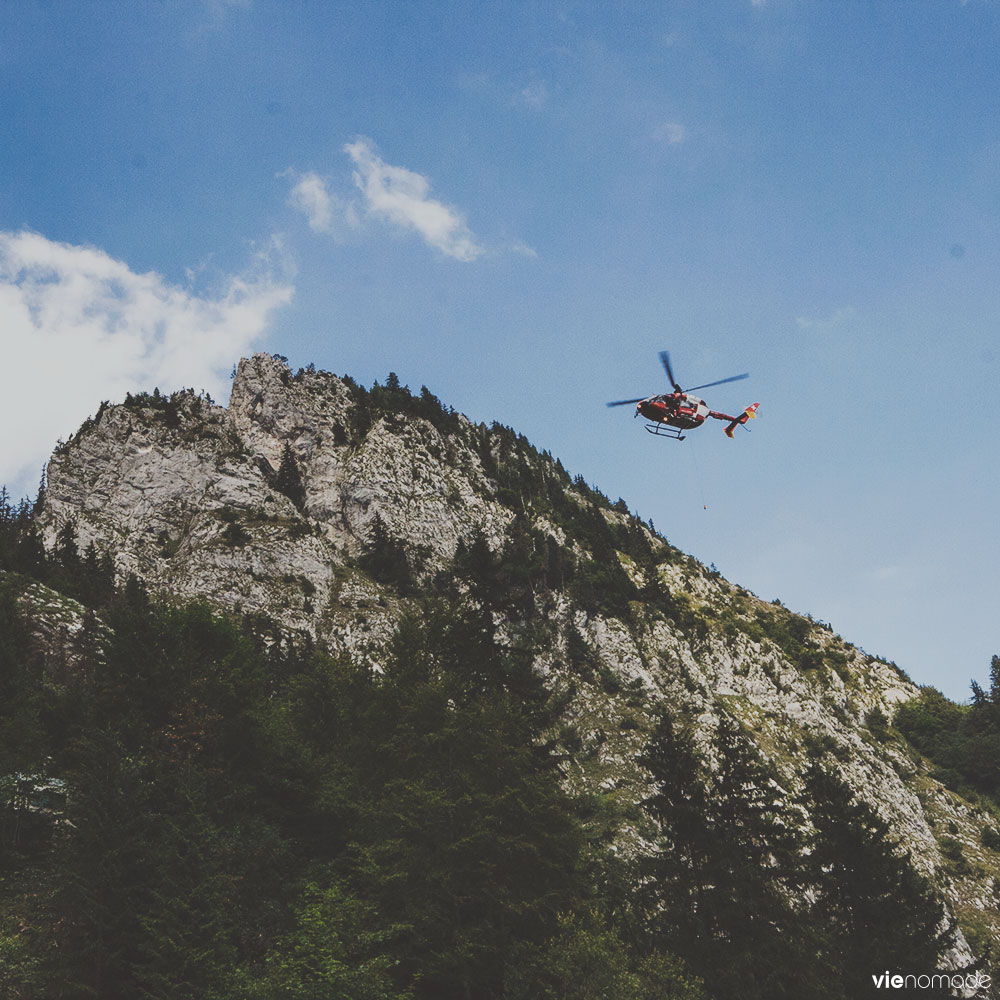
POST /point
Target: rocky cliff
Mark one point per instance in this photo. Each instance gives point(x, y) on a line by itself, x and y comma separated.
point(328, 507)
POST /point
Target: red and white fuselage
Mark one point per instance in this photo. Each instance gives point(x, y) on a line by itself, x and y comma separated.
point(684, 411)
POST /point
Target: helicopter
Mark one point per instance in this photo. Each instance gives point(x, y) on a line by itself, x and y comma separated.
point(672, 413)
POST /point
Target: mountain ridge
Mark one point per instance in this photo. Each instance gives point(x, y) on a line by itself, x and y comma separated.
point(329, 507)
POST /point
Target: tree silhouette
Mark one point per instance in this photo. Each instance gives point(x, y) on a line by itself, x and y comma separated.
point(288, 479)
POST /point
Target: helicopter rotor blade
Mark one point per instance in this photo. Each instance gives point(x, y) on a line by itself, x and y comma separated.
point(665, 358)
point(625, 402)
point(722, 381)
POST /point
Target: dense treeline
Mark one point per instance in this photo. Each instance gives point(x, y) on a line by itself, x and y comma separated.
point(762, 906)
point(198, 806)
point(248, 816)
point(963, 741)
point(393, 398)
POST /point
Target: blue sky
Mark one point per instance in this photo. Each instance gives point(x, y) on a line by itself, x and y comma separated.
point(519, 205)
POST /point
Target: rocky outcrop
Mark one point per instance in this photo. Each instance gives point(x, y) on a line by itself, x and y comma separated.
point(67, 640)
point(189, 504)
point(426, 492)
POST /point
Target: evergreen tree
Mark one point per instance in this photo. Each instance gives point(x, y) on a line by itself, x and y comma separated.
point(8, 530)
point(477, 566)
point(172, 410)
point(468, 837)
point(588, 959)
point(752, 875)
point(384, 558)
point(149, 882)
point(963, 741)
point(875, 911)
point(42, 492)
point(679, 804)
point(97, 577)
point(288, 479)
point(718, 887)
point(23, 746)
point(100, 870)
point(67, 552)
point(336, 950)
point(29, 554)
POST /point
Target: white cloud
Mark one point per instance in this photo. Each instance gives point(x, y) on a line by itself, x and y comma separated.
point(214, 16)
point(885, 573)
point(842, 315)
point(525, 251)
point(534, 96)
point(324, 211)
point(312, 199)
point(402, 197)
point(78, 326)
point(673, 133)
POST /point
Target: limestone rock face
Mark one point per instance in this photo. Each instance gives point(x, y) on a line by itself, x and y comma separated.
point(186, 496)
point(67, 640)
point(186, 509)
point(399, 471)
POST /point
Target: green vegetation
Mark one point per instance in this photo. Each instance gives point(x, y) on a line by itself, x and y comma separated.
point(385, 558)
point(758, 907)
point(961, 741)
point(288, 479)
point(793, 634)
point(395, 399)
point(250, 817)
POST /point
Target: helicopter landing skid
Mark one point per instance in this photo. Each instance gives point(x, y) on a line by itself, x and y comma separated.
point(663, 430)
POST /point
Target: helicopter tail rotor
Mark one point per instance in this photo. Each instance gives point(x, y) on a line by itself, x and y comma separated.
point(750, 413)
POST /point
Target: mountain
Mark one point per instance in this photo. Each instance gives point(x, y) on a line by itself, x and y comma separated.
point(742, 807)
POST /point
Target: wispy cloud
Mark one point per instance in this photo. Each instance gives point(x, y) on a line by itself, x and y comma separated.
point(885, 573)
point(402, 197)
point(324, 211)
point(78, 326)
point(219, 8)
point(534, 96)
point(311, 198)
point(673, 133)
point(214, 15)
point(841, 315)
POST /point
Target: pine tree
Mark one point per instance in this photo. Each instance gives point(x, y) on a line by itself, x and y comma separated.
point(753, 873)
point(384, 558)
point(97, 576)
point(172, 411)
point(875, 911)
point(40, 496)
point(288, 479)
point(337, 950)
point(468, 837)
point(995, 679)
point(673, 888)
point(718, 888)
point(476, 564)
point(8, 530)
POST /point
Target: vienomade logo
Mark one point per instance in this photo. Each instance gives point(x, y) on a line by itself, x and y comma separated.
point(973, 983)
